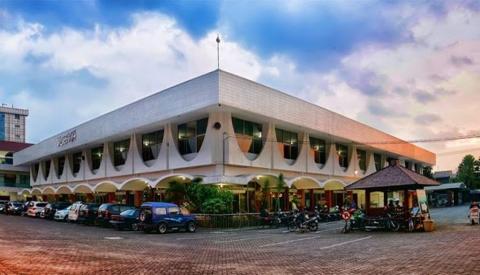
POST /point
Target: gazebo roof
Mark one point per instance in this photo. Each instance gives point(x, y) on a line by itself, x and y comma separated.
point(394, 176)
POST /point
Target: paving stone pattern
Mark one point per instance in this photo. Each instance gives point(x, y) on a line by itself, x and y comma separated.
point(33, 246)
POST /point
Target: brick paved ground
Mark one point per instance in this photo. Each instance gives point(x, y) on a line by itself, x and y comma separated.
point(32, 246)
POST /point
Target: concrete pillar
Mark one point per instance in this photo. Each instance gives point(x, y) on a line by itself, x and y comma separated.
point(138, 198)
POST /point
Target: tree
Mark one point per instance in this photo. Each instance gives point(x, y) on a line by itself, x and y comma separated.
point(198, 197)
point(427, 172)
point(467, 172)
point(265, 194)
point(280, 187)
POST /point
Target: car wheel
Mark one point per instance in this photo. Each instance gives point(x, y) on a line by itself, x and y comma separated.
point(191, 227)
point(162, 228)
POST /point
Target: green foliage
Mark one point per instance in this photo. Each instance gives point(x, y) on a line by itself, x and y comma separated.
point(265, 193)
point(427, 172)
point(176, 192)
point(280, 188)
point(469, 172)
point(220, 204)
point(198, 197)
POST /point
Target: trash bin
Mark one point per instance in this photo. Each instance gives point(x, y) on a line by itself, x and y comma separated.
point(428, 225)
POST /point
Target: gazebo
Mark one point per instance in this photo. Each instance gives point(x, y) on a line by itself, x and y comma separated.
point(393, 185)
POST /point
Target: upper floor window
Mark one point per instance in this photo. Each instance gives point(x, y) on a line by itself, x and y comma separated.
point(76, 161)
point(290, 143)
point(61, 165)
point(249, 134)
point(418, 168)
point(120, 152)
point(96, 155)
point(408, 165)
point(319, 150)
point(17, 116)
point(47, 169)
point(151, 143)
point(191, 136)
point(362, 159)
point(377, 158)
point(35, 171)
point(342, 152)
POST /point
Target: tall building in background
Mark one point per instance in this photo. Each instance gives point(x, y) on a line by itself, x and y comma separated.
point(12, 124)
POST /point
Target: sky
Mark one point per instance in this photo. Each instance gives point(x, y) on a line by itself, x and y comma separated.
point(409, 68)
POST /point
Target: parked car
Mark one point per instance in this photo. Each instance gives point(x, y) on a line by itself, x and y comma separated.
point(14, 208)
point(26, 205)
point(74, 212)
point(106, 210)
point(62, 214)
point(49, 210)
point(35, 207)
point(3, 206)
point(162, 217)
point(126, 220)
point(88, 213)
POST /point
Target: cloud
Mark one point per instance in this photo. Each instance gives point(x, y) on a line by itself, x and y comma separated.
point(461, 61)
point(426, 119)
point(79, 74)
point(424, 97)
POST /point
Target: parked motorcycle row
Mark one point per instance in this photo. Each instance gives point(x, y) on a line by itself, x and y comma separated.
point(299, 221)
point(151, 216)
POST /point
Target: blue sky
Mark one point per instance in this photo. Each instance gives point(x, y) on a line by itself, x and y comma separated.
point(390, 64)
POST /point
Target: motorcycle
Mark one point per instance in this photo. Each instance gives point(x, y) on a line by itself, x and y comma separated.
point(474, 215)
point(302, 222)
point(354, 220)
point(385, 222)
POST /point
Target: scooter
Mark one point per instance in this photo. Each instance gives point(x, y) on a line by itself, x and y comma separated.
point(474, 214)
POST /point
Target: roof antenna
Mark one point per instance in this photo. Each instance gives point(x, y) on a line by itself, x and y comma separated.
point(218, 52)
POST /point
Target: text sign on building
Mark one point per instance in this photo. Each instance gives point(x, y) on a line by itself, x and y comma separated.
point(67, 138)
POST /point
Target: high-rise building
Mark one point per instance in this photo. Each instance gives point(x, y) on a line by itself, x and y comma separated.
point(12, 124)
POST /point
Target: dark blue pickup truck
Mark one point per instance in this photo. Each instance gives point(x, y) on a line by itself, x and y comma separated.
point(162, 217)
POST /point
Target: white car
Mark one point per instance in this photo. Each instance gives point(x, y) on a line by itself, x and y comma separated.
point(74, 211)
point(35, 207)
point(62, 215)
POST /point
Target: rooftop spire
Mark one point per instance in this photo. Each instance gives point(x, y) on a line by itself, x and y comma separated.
point(218, 51)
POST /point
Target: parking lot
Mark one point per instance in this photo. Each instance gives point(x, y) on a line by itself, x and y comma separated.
point(34, 246)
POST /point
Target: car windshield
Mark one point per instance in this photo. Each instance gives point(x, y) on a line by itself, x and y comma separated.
point(16, 204)
point(129, 212)
point(173, 210)
point(104, 206)
point(41, 204)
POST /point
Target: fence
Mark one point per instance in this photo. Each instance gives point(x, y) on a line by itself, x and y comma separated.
point(229, 220)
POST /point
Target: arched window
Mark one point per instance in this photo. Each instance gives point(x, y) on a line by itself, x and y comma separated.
point(151, 143)
point(377, 158)
point(249, 135)
point(290, 143)
point(362, 159)
point(96, 155)
point(191, 135)
point(342, 152)
point(120, 152)
point(61, 165)
point(319, 150)
point(76, 162)
point(47, 168)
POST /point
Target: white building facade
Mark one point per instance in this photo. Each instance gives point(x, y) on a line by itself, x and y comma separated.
point(223, 128)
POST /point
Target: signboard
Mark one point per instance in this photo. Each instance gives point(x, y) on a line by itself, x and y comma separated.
point(422, 200)
point(67, 138)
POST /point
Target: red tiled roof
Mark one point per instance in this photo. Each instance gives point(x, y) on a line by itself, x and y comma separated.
point(392, 176)
point(13, 146)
